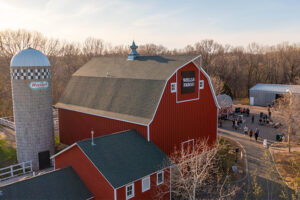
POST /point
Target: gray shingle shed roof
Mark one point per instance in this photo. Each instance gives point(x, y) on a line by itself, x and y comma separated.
point(280, 88)
point(121, 89)
point(60, 184)
point(124, 157)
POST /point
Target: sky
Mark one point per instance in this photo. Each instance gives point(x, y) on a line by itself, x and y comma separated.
point(172, 23)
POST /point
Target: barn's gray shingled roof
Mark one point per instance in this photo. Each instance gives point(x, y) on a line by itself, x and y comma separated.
point(118, 88)
point(124, 157)
point(60, 184)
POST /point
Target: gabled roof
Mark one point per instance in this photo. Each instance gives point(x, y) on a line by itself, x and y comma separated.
point(280, 88)
point(60, 184)
point(120, 89)
point(124, 157)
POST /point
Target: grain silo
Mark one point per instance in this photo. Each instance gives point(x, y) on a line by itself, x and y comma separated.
point(32, 101)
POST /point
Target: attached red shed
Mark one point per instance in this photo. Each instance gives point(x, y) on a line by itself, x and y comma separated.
point(119, 166)
point(168, 100)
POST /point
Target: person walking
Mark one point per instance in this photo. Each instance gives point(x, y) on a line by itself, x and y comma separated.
point(240, 122)
point(256, 134)
point(250, 134)
point(246, 129)
point(252, 119)
point(236, 124)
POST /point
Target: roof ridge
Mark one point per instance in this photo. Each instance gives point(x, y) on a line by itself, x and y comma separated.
point(102, 136)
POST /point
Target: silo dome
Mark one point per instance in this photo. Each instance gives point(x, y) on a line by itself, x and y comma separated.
point(29, 58)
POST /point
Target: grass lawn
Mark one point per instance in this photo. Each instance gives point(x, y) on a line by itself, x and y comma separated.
point(228, 156)
point(288, 165)
point(8, 154)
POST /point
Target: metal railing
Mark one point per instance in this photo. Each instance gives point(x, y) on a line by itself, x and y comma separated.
point(15, 170)
point(8, 121)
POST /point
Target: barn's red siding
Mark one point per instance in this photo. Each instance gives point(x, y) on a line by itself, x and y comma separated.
point(151, 194)
point(75, 126)
point(175, 123)
point(87, 172)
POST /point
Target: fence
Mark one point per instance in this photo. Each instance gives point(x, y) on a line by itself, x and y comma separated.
point(15, 170)
point(8, 121)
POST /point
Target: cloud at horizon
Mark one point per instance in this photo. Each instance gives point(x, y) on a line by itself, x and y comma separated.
point(173, 24)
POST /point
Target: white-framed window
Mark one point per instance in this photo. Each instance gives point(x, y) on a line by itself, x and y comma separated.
point(130, 191)
point(160, 178)
point(201, 84)
point(173, 87)
point(188, 147)
point(146, 184)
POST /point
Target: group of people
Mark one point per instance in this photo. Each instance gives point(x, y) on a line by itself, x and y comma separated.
point(265, 119)
point(250, 132)
point(237, 123)
point(246, 111)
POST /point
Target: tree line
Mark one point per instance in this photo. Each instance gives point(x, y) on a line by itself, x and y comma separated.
point(236, 68)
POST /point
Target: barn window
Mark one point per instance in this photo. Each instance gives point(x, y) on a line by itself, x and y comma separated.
point(129, 191)
point(173, 87)
point(146, 184)
point(188, 147)
point(160, 178)
point(201, 84)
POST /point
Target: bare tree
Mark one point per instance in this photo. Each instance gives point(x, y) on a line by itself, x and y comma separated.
point(288, 114)
point(196, 173)
point(218, 84)
point(93, 47)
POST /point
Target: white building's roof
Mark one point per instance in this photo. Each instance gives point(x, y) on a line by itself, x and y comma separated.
point(224, 100)
point(29, 58)
point(276, 88)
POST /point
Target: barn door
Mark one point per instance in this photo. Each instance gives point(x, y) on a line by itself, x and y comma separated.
point(44, 160)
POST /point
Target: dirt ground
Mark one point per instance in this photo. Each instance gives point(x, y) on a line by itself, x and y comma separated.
point(288, 165)
point(231, 155)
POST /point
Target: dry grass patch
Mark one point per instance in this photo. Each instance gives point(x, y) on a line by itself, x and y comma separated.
point(228, 155)
point(288, 165)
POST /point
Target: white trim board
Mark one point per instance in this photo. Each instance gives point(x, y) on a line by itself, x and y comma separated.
point(198, 91)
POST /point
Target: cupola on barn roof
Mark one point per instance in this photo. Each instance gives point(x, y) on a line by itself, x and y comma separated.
point(133, 54)
point(29, 58)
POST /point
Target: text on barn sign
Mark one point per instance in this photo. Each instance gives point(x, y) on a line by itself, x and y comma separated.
point(39, 85)
point(187, 82)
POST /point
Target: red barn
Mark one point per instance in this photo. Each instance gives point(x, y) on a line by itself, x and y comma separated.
point(165, 102)
point(168, 100)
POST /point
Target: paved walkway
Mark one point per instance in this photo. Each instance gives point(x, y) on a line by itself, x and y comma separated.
point(260, 163)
